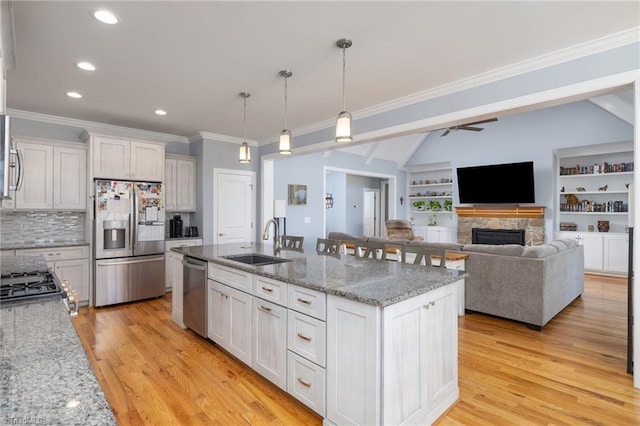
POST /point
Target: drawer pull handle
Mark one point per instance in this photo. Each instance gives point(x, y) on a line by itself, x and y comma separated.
point(306, 302)
point(303, 383)
point(303, 337)
point(264, 308)
point(267, 289)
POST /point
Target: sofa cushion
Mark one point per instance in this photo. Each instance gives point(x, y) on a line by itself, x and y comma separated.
point(503, 249)
point(446, 246)
point(342, 236)
point(559, 245)
point(569, 242)
point(542, 250)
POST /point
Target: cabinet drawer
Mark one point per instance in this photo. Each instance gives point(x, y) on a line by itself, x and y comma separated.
point(307, 301)
point(58, 253)
point(306, 336)
point(231, 277)
point(271, 290)
point(306, 382)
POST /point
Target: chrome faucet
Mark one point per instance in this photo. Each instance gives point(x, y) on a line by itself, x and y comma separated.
point(277, 239)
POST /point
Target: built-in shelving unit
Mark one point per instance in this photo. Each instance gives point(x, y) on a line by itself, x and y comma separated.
point(430, 199)
point(593, 202)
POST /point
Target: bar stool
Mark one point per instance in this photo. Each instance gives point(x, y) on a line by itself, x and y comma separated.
point(328, 247)
point(290, 242)
point(370, 249)
point(424, 254)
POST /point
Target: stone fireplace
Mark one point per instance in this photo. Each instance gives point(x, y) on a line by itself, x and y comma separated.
point(529, 219)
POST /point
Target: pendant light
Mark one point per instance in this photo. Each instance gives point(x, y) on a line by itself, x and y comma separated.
point(245, 151)
point(285, 136)
point(343, 123)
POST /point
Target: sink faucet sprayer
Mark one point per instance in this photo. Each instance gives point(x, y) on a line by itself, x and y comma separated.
point(277, 239)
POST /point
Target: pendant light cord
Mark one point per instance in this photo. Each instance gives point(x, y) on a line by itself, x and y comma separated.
point(344, 71)
point(285, 102)
point(244, 121)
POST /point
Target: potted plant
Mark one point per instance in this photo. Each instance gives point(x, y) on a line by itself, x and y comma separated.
point(434, 205)
point(419, 205)
point(448, 205)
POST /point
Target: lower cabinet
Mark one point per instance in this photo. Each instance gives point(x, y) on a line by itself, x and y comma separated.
point(68, 263)
point(392, 365)
point(605, 253)
point(229, 320)
point(270, 341)
point(169, 275)
point(439, 234)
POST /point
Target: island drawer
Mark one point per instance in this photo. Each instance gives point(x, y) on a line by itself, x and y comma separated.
point(307, 337)
point(271, 290)
point(306, 382)
point(307, 301)
point(58, 253)
point(232, 277)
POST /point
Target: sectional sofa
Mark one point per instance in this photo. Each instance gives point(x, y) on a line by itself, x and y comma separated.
point(529, 284)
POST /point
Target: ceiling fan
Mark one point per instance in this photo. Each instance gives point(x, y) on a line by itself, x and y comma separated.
point(468, 126)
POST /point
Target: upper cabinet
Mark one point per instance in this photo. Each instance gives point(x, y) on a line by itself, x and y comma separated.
point(125, 159)
point(180, 183)
point(53, 176)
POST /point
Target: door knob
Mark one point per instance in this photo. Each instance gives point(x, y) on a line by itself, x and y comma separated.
point(220, 235)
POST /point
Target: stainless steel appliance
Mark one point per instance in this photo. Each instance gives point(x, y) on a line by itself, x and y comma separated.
point(129, 241)
point(175, 227)
point(194, 297)
point(34, 284)
point(10, 161)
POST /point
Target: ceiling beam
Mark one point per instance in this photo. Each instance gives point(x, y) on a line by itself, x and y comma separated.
point(616, 106)
point(409, 153)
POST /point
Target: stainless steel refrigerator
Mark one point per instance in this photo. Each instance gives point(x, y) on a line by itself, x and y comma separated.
point(129, 220)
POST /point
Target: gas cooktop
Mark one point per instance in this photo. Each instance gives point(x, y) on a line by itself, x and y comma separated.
point(28, 285)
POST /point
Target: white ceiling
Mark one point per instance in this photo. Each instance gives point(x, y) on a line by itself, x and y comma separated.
point(192, 58)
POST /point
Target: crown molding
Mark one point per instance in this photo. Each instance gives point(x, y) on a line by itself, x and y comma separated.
point(222, 138)
point(93, 127)
point(602, 44)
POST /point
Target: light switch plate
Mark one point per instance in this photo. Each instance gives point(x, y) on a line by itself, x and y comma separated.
point(307, 220)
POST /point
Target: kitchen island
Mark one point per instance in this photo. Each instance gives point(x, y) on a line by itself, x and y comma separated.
point(46, 376)
point(359, 341)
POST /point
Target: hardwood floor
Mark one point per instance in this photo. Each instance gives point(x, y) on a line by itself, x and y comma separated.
point(571, 373)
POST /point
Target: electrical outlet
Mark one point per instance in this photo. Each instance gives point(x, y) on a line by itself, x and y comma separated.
point(307, 220)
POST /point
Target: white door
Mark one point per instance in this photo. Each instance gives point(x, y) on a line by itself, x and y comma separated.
point(370, 207)
point(234, 200)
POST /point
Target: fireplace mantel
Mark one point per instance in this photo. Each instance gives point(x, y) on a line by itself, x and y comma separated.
point(529, 212)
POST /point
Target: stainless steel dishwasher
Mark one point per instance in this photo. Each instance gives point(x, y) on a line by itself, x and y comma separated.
point(194, 301)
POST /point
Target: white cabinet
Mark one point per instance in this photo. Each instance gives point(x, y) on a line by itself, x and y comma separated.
point(430, 194)
point(229, 319)
point(616, 253)
point(439, 234)
point(54, 176)
point(604, 253)
point(270, 341)
point(180, 183)
point(171, 266)
point(125, 159)
point(68, 263)
point(410, 347)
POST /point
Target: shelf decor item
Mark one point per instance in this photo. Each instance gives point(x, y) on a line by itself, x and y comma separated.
point(419, 205)
point(603, 225)
point(434, 205)
point(448, 205)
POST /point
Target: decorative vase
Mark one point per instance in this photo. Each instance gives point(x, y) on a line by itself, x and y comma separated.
point(603, 225)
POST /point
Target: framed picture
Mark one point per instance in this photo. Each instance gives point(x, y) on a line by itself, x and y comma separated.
point(297, 195)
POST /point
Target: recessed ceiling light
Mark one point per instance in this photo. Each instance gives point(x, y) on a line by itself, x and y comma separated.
point(161, 112)
point(105, 16)
point(74, 95)
point(87, 66)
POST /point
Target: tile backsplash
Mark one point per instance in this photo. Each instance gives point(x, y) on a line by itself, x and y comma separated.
point(41, 226)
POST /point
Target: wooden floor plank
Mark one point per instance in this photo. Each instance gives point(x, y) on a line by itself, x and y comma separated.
point(573, 372)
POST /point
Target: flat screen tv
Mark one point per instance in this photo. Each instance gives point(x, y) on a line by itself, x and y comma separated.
point(510, 183)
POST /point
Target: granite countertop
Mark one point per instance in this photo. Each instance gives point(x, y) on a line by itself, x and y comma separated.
point(181, 238)
point(46, 375)
point(374, 282)
point(42, 244)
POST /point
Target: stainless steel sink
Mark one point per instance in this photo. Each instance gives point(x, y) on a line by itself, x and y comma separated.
point(255, 259)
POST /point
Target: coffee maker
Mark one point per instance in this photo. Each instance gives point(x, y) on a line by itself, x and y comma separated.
point(175, 227)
